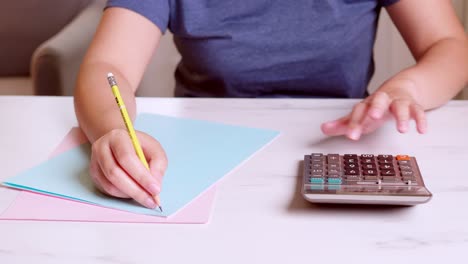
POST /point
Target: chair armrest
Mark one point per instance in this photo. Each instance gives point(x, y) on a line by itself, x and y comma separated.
point(56, 62)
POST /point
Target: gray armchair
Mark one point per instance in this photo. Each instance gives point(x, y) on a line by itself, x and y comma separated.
point(24, 25)
point(42, 54)
point(56, 62)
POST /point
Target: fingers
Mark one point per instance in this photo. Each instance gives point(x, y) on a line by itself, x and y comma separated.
point(124, 154)
point(417, 112)
point(404, 111)
point(335, 128)
point(401, 112)
point(371, 113)
point(101, 182)
point(155, 155)
point(379, 104)
point(121, 179)
point(355, 121)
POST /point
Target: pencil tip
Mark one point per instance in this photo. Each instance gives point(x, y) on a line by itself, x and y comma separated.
point(160, 208)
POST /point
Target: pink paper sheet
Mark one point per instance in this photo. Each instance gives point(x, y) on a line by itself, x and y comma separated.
point(33, 206)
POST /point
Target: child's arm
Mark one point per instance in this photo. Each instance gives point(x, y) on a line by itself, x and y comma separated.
point(440, 46)
point(123, 45)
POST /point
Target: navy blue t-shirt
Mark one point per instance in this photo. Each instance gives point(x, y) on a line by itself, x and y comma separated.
point(268, 48)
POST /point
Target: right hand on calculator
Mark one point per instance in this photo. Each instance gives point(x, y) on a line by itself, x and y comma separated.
point(117, 171)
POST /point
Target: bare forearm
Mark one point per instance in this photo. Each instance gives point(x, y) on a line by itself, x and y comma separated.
point(95, 105)
point(438, 75)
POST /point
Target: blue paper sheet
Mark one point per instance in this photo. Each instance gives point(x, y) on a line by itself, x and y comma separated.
point(199, 153)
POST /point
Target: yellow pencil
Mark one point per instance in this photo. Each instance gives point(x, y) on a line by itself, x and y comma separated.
point(128, 124)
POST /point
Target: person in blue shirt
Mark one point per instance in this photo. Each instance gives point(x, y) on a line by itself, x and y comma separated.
point(262, 48)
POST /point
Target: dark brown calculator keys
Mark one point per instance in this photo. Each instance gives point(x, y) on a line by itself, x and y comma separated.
point(385, 161)
point(369, 172)
point(386, 167)
point(351, 166)
point(367, 160)
point(379, 157)
point(352, 172)
point(387, 172)
point(350, 175)
point(350, 161)
point(370, 166)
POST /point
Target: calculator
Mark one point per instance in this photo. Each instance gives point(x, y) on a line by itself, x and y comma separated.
point(363, 179)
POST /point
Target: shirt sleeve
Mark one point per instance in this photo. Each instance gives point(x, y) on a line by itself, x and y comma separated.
point(156, 11)
point(387, 2)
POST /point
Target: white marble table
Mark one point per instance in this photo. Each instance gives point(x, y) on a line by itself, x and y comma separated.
point(259, 215)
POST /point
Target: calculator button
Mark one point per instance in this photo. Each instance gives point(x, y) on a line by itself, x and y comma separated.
point(385, 161)
point(316, 155)
point(316, 175)
point(387, 172)
point(406, 168)
point(333, 158)
point(404, 162)
point(352, 178)
point(371, 178)
point(386, 167)
point(384, 157)
point(317, 159)
point(334, 180)
point(351, 172)
point(334, 173)
point(316, 180)
point(370, 172)
point(407, 173)
point(369, 166)
point(334, 166)
point(350, 156)
point(351, 166)
point(350, 160)
point(365, 156)
point(317, 171)
point(316, 166)
point(367, 160)
point(402, 157)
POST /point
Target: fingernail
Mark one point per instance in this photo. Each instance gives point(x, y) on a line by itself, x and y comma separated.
point(354, 134)
point(150, 203)
point(153, 188)
point(403, 126)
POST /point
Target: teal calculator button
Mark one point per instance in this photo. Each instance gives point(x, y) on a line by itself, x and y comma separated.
point(317, 187)
point(334, 181)
point(334, 187)
point(317, 180)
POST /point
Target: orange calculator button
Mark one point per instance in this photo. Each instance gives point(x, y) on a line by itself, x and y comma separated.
point(402, 157)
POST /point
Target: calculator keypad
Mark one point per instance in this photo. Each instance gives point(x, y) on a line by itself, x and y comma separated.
point(363, 179)
point(365, 169)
